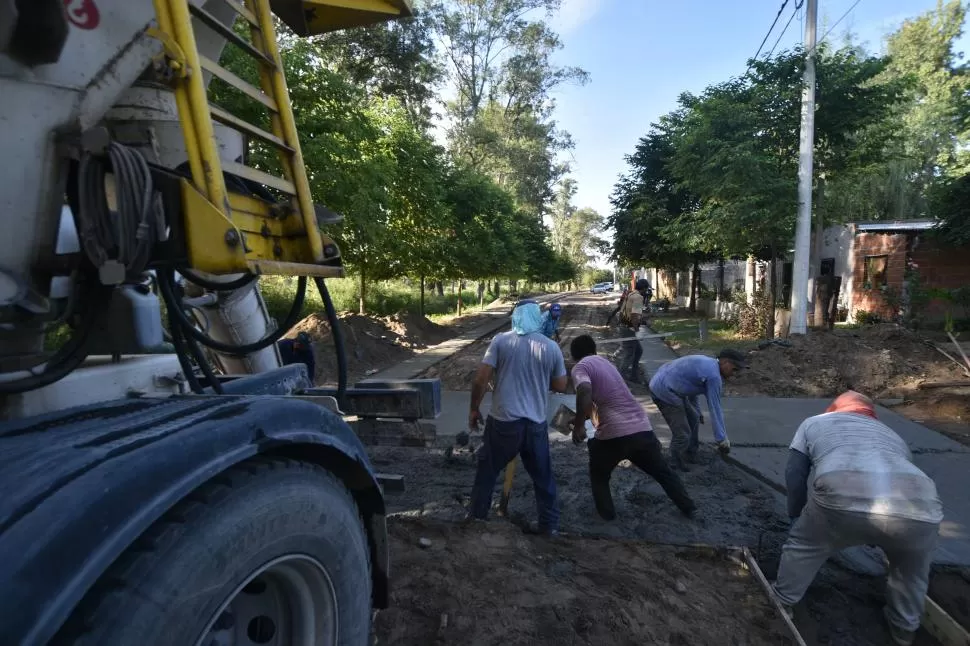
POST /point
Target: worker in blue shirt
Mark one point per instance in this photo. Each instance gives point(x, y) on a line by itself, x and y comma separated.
point(550, 321)
point(299, 350)
point(675, 389)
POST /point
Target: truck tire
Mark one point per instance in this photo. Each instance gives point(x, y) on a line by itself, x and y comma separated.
point(271, 552)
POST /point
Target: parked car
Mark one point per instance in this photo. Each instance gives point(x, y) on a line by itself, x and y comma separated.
point(601, 288)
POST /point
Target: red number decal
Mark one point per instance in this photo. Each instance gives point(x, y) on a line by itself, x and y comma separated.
point(83, 13)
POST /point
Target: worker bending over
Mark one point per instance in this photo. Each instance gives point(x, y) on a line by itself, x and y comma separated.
point(525, 364)
point(623, 431)
point(631, 317)
point(675, 389)
point(851, 481)
point(299, 350)
point(550, 322)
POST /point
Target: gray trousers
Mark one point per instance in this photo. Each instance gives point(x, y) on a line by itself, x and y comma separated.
point(819, 533)
point(683, 422)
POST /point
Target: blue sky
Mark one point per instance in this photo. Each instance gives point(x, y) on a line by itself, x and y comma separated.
point(641, 54)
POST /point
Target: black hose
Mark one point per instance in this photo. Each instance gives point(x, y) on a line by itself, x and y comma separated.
point(338, 338)
point(72, 354)
point(214, 286)
point(167, 285)
point(181, 351)
point(203, 363)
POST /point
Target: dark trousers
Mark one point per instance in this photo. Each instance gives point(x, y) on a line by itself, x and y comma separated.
point(631, 351)
point(643, 450)
point(503, 441)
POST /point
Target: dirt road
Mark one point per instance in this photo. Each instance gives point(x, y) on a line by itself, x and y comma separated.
point(496, 585)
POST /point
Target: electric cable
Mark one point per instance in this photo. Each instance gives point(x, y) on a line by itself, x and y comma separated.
point(182, 353)
point(770, 29)
point(798, 5)
point(203, 362)
point(836, 23)
point(338, 338)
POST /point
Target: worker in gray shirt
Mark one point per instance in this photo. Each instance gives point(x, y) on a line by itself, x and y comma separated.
point(525, 365)
point(851, 481)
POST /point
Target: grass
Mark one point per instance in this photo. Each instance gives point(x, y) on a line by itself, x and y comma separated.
point(685, 334)
point(383, 297)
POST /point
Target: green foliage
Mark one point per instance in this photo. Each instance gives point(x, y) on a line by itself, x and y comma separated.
point(864, 317)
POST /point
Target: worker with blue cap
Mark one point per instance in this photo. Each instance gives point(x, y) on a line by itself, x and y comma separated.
point(550, 321)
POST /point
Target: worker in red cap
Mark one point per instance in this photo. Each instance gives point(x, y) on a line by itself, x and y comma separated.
point(851, 481)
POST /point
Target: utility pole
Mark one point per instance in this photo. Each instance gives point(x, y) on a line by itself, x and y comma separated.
point(806, 149)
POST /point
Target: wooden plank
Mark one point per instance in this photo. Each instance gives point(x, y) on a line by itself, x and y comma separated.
point(760, 576)
point(943, 627)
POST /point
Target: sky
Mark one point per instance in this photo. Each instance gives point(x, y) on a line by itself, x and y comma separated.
point(642, 54)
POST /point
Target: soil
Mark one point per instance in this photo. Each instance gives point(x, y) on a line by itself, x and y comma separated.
point(883, 361)
point(506, 588)
point(581, 314)
point(375, 343)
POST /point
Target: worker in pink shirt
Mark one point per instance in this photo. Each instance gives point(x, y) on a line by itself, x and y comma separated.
point(623, 431)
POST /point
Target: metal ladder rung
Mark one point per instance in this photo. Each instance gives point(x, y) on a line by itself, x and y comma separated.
point(233, 121)
point(243, 11)
point(259, 177)
point(212, 23)
point(225, 75)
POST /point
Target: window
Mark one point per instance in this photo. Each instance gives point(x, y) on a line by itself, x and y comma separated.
point(875, 272)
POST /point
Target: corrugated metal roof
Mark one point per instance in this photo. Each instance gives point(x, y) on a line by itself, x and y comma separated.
point(897, 225)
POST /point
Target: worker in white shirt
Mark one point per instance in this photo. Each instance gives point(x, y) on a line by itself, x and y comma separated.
point(851, 481)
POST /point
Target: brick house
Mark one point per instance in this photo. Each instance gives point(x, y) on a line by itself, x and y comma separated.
point(880, 255)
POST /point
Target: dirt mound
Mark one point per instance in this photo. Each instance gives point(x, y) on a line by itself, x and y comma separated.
point(417, 329)
point(882, 361)
point(369, 343)
point(494, 585)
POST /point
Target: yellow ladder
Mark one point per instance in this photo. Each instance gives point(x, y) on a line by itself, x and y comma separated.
point(225, 231)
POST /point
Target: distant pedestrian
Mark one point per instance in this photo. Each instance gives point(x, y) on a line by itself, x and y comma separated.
point(623, 430)
point(299, 350)
point(675, 389)
point(851, 481)
point(631, 317)
point(550, 322)
point(525, 365)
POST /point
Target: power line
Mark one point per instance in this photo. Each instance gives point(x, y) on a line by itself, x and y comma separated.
point(841, 18)
point(770, 29)
point(798, 5)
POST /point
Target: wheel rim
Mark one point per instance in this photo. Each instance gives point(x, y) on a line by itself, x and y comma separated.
point(290, 601)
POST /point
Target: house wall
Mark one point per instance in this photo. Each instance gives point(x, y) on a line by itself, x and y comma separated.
point(837, 243)
point(892, 245)
point(940, 267)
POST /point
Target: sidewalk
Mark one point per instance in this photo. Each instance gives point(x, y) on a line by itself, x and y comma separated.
point(410, 368)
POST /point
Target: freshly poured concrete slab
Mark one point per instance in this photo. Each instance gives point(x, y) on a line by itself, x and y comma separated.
point(948, 470)
point(769, 421)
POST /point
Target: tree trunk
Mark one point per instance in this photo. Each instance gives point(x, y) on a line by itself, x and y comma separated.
point(459, 297)
point(363, 288)
point(452, 287)
point(440, 287)
point(481, 294)
point(818, 316)
point(422, 295)
point(772, 287)
point(695, 274)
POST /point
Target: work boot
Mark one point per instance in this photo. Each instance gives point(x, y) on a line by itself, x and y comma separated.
point(535, 529)
point(677, 463)
point(690, 512)
point(691, 457)
point(899, 636)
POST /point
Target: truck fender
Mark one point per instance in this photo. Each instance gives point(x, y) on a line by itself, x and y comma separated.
point(81, 485)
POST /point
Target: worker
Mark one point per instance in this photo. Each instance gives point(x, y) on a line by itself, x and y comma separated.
point(675, 389)
point(623, 430)
point(631, 317)
point(299, 350)
point(851, 481)
point(550, 322)
point(525, 364)
point(619, 305)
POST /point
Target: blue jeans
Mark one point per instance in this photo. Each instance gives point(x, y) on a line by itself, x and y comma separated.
point(503, 441)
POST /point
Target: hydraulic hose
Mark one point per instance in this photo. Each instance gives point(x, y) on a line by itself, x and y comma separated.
point(168, 288)
point(182, 353)
point(214, 286)
point(72, 354)
point(338, 338)
point(204, 365)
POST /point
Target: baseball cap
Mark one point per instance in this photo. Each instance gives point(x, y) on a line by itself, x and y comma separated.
point(734, 356)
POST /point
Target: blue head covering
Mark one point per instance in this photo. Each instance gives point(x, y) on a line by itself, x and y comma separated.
point(555, 309)
point(526, 318)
